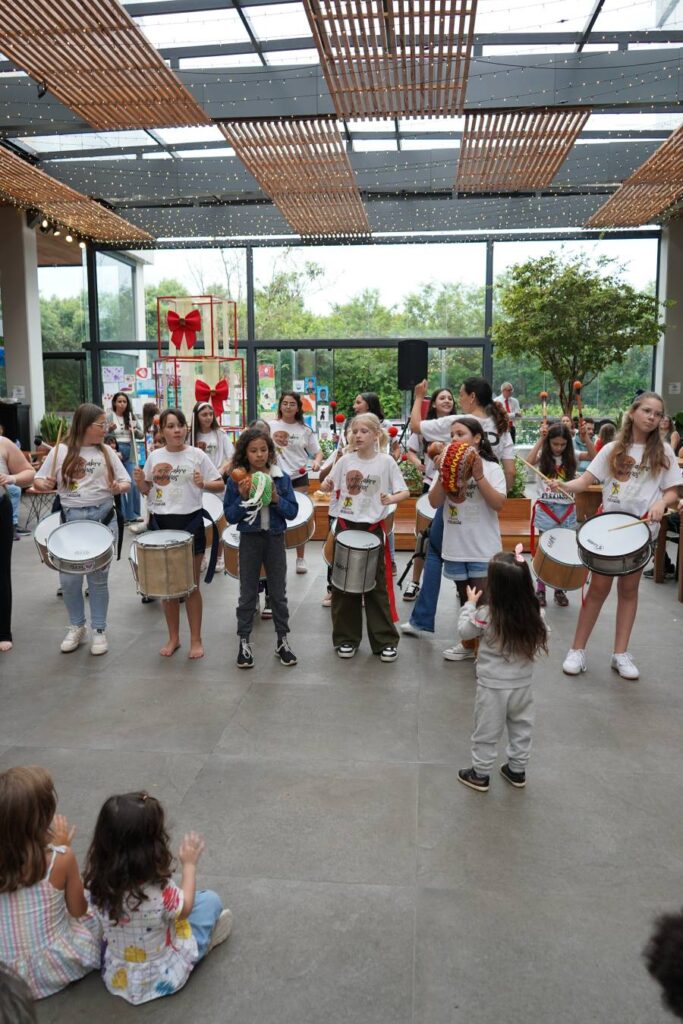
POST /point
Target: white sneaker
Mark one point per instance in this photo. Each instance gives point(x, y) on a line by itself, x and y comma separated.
point(625, 666)
point(327, 600)
point(138, 527)
point(222, 929)
point(575, 662)
point(410, 630)
point(459, 653)
point(73, 639)
point(99, 643)
point(301, 566)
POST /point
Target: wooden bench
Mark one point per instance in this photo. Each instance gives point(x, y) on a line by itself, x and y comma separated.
point(513, 518)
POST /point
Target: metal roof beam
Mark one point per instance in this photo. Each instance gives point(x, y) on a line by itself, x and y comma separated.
point(590, 23)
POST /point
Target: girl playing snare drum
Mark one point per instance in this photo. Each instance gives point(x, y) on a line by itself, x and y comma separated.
point(367, 482)
point(87, 475)
point(639, 474)
point(175, 476)
point(554, 455)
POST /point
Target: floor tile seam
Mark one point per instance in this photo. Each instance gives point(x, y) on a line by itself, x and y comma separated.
point(295, 881)
point(235, 709)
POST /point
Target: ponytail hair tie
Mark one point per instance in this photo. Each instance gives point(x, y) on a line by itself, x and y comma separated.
point(519, 548)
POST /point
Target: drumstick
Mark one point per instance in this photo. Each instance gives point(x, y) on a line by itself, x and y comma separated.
point(553, 484)
point(643, 519)
point(56, 448)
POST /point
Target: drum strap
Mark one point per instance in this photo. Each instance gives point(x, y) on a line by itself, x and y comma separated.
point(373, 528)
point(548, 511)
point(193, 524)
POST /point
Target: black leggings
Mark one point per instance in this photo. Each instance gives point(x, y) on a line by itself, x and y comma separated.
point(6, 539)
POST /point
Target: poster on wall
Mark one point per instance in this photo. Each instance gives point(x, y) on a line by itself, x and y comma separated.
point(323, 394)
point(113, 375)
point(298, 386)
point(267, 398)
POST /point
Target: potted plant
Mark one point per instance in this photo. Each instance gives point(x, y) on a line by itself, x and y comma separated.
point(50, 426)
point(517, 505)
point(412, 476)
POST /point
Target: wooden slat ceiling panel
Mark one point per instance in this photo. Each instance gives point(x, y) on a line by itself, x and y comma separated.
point(24, 185)
point(394, 58)
point(506, 151)
point(650, 190)
point(301, 163)
point(93, 57)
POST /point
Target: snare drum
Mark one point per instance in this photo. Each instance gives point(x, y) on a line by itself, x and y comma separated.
point(557, 562)
point(613, 552)
point(81, 546)
point(214, 506)
point(231, 553)
point(424, 514)
point(300, 530)
point(41, 533)
point(356, 554)
point(163, 564)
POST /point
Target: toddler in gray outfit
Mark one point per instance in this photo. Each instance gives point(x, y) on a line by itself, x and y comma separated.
point(511, 633)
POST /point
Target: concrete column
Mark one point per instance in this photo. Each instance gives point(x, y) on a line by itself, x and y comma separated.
point(669, 369)
point(21, 310)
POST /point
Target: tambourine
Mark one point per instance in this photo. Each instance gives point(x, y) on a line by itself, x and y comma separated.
point(457, 467)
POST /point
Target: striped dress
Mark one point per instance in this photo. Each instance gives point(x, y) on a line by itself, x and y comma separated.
point(41, 942)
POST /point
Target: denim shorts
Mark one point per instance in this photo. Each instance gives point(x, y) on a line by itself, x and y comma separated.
point(462, 571)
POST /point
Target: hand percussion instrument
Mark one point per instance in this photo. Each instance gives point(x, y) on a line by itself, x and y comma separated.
point(557, 562)
point(424, 514)
point(457, 467)
point(231, 553)
point(614, 552)
point(300, 530)
point(356, 553)
point(163, 564)
point(81, 546)
point(42, 531)
point(214, 506)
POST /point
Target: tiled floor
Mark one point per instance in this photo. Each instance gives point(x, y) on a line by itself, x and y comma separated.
point(367, 885)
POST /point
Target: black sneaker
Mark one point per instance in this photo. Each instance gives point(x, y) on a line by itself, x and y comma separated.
point(516, 779)
point(669, 572)
point(388, 653)
point(284, 652)
point(473, 779)
point(245, 659)
point(346, 650)
point(540, 594)
point(267, 612)
point(411, 591)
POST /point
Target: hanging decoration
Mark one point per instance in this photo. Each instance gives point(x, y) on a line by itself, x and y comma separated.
point(216, 397)
point(184, 328)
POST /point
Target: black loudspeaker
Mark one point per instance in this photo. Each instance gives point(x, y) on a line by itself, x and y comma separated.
point(413, 360)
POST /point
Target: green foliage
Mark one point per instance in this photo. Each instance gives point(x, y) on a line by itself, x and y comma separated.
point(50, 425)
point(574, 318)
point(327, 446)
point(412, 476)
point(519, 482)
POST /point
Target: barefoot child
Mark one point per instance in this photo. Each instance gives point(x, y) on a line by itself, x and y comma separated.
point(176, 474)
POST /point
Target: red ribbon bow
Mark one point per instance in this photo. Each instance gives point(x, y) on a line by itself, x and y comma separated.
point(187, 327)
point(215, 396)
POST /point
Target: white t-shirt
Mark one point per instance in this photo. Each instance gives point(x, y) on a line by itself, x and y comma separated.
point(217, 446)
point(90, 481)
point(174, 491)
point(471, 532)
point(440, 430)
point(417, 444)
point(544, 492)
point(360, 482)
point(294, 443)
point(636, 489)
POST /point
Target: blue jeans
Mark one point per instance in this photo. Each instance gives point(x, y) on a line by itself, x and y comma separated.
point(424, 609)
point(203, 916)
point(14, 493)
point(72, 585)
point(130, 501)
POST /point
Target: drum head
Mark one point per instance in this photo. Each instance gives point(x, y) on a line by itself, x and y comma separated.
point(163, 538)
point(561, 546)
point(213, 505)
point(360, 540)
point(304, 513)
point(599, 537)
point(231, 537)
point(424, 508)
point(45, 527)
point(81, 539)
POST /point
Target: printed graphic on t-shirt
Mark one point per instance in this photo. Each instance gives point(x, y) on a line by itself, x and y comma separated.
point(624, 468)
point(281, 438)
point(170, 481)
point(358, 483)
point(91, 469)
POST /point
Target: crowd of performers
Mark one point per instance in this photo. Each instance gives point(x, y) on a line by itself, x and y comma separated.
point(465, 449)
